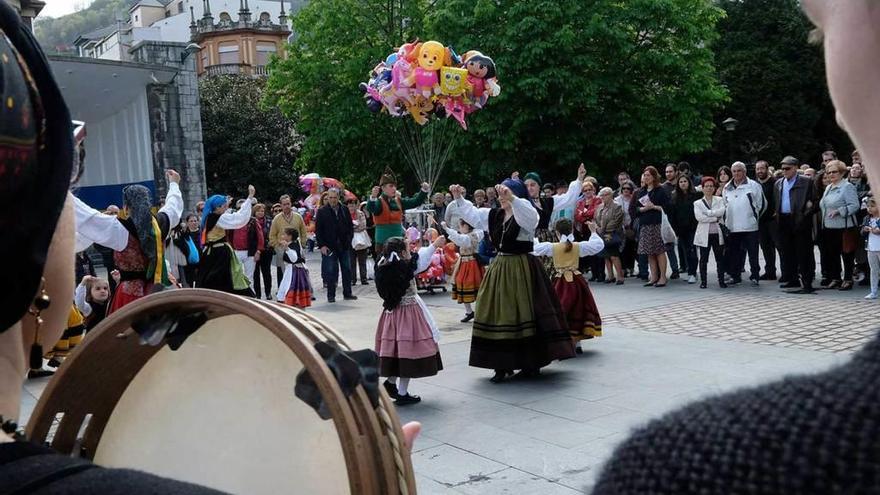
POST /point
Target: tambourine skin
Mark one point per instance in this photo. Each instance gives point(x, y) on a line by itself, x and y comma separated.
point(396, 465)
point(115, 381)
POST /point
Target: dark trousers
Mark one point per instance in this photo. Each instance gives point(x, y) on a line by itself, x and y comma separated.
point(833, 239)
point(717, 250)
point(796, 252)
point(359, 262)
point(191, 274)
point(264, 268)
point(628, 254)
point(768, 231)
point(673, 259)
point(687, 253)
point(331, 265)
point(737, 245)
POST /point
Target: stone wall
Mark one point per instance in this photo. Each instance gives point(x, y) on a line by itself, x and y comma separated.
point(175, 119)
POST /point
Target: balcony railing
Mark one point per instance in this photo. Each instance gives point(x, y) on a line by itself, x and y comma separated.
point(228, 69)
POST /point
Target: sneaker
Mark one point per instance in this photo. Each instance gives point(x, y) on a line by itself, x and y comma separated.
point(692, 279)
point(405, 400)
point(872, 295)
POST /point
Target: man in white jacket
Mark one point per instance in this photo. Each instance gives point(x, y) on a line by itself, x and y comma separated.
point(745, 203)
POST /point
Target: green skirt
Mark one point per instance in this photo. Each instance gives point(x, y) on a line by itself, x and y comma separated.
point(518, 322)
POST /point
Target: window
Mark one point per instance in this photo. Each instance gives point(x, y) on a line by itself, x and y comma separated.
point(229, 53)
point(265, 50)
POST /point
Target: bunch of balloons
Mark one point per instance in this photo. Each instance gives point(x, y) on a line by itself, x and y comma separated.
point(422, 79)
point(313, 185)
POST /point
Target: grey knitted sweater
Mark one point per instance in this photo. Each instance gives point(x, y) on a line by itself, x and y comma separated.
point(812, 434)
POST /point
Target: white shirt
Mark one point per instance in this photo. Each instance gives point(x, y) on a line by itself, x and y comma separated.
point(594, 245)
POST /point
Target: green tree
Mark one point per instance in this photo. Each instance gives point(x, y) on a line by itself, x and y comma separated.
point(600, 81)
point(336, 44)
point(777, 85)
point(246, 143)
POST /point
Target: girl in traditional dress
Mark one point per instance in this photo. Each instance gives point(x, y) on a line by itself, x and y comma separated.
point(407, 335)
point(295, 289)
point(91, 298)
point(468, 273)
point(574, 294)
point(219, 267)
point(518, 322)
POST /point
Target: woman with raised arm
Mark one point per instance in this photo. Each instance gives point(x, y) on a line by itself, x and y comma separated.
point(518, 322)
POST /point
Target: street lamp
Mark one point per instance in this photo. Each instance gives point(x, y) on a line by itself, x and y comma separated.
point(730, 126)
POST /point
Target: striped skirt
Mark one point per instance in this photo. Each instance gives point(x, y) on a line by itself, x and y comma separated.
point(518, 321)
point(467, 278)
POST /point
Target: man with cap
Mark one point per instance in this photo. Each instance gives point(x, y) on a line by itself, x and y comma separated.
point(793, 208)
point(387, 208)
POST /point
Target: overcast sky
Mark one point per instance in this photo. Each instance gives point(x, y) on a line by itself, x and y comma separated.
point(57, 8)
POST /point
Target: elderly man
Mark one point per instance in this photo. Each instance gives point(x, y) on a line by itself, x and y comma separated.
point(745, 204)
point(793, 208)
point(284, 220)
point(333, 233)
point(438, 206)
point(767, 224)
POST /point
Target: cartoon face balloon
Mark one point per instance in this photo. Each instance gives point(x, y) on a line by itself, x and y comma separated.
point(453, 81)
point(431, 55)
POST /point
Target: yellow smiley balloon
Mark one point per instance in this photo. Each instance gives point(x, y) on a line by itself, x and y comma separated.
point(453, 81)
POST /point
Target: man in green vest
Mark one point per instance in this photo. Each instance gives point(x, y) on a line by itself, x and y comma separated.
point(387, 208)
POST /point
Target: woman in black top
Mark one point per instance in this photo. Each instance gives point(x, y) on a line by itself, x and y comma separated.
point(648, 208)
point(684, 223)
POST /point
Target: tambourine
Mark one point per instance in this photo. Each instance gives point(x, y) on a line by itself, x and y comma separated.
point(232, 393)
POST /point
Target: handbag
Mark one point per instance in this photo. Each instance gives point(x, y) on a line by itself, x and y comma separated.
point(193, 258)
point(666, 231)
point(613, 240)
point(360, 240)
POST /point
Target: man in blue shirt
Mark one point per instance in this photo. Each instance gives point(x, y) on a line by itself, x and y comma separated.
point(794, 209)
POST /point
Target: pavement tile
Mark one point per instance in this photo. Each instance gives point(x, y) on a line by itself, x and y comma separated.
point(450, 466)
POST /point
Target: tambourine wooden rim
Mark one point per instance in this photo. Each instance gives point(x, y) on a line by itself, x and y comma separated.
point(104, 365)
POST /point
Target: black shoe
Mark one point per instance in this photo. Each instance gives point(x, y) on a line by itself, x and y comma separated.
point(578, 350)
point(350, 298)
point(805, 290)
point(649, 284)
point(468, 317)
point(364, 282)
point(790, 285)
point(405, 400)
point(313, 298)
point(722, 284)
point(675, 276)
point(53, 363)
point(391, 389)
point(703, 284)
point(754, 282)
point(331, 299)
point(40, 373)
point(528, 373)
point(500, 376)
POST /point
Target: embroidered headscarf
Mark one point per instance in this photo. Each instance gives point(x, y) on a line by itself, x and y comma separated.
point(36, 161)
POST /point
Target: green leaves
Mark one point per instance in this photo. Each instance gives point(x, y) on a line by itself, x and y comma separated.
point(607, 82)
point(246, 142)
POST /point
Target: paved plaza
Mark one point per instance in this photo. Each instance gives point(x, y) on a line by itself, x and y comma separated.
point(661, 349)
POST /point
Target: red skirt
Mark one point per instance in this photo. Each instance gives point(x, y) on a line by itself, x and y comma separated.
point(468, 277)
point(579, 308)
point(126, 292)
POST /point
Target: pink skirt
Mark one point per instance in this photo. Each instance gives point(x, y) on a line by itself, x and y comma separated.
point(405, 344)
